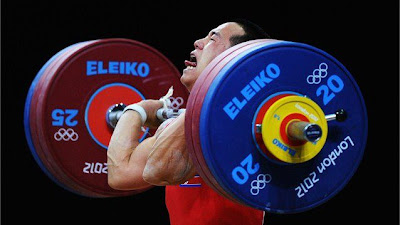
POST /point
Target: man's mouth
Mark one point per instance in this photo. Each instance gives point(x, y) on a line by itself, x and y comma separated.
point(192, 62)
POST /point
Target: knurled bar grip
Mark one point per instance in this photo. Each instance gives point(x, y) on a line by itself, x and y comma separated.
point(114, 113)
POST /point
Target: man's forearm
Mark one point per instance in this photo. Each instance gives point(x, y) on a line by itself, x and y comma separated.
point(125, 137)
point(124, 140)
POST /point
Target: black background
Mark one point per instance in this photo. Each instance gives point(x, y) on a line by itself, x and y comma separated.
point(363, 35)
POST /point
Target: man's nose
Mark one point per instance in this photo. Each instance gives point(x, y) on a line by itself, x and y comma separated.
point(199, 44)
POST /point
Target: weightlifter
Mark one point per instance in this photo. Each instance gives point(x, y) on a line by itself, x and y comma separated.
point(163, 159)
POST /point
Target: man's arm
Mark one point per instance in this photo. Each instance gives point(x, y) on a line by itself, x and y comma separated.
point(169, 162)
point(126, 158)
point(159, 160)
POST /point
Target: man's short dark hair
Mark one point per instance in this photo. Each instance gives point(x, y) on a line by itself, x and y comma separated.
point(252, 32)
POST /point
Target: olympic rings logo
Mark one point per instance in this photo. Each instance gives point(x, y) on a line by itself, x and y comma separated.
point(318, 74)
point(66, 135)
point(176, 102)
point(260, 183)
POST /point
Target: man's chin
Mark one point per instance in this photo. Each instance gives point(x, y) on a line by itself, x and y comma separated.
point(186, 81)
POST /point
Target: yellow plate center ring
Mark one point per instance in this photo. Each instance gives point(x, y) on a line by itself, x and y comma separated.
point(297, 113)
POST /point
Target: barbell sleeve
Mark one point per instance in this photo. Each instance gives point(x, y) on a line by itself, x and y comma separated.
point(304, 131)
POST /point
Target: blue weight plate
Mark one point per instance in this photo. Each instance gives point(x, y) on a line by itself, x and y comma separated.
point(228, 111)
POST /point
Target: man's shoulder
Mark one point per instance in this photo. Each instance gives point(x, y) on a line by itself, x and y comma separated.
point(164, 125)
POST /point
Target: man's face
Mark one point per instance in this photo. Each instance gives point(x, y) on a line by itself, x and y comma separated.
point(206, 49)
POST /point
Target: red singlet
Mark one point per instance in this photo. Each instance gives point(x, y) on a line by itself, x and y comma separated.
point(196, 203)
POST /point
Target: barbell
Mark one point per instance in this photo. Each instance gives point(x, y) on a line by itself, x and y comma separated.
point(275, 125)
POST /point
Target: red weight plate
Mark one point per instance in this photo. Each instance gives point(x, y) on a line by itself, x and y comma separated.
point(216, 65)
point(46, 158)
point(194, 108)
point(196, 119)
point(64, 117)
point(200, 165)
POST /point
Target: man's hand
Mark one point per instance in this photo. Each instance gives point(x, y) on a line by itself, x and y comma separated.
point(151, 107)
